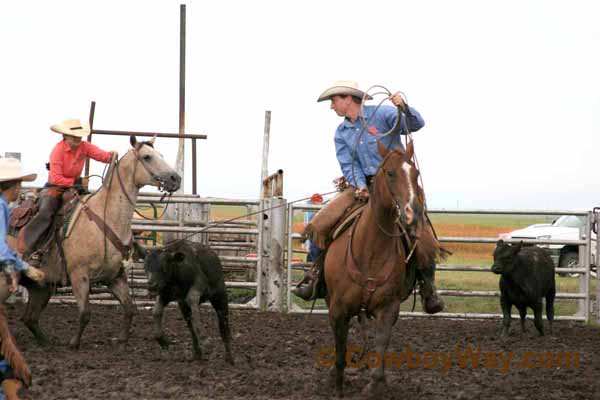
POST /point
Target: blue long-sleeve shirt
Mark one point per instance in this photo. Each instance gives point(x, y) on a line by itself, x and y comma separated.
point(367, 157)
point(7, 255)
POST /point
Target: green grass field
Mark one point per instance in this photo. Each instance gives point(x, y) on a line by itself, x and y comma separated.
point(497, 221)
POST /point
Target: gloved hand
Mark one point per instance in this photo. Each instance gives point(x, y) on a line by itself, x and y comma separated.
point(362, 194)
point(398, 101)
point(12, 277)
point(340, 183)
point(35, 274)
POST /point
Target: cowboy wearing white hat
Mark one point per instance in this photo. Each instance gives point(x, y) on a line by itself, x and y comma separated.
point(72, 127)
point(10, 170)
point(357, 154)
point(11, 176)
point(66, 164)
point(343, 88)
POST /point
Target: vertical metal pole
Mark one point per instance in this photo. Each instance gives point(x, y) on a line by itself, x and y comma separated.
point(597, 262)
point(194, 167)
point(181, 149)
point(584, 280)
point(180, 162)
point(276, 274)
point(265, 153)
point(89, 138)
point(263, 241)
point(290, 244)
point(263, 253)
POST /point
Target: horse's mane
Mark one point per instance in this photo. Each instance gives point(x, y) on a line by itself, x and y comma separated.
point(11, 352)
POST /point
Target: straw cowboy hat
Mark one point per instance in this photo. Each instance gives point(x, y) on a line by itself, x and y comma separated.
point(72, 127)
point(343, 88)
point(10, 170)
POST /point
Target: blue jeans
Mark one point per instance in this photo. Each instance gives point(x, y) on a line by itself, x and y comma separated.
point(313, 252)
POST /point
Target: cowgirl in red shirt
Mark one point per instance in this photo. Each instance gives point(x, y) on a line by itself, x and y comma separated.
point(66, 163)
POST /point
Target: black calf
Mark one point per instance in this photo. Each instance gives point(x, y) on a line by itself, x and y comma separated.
point(189, 273)
point(527, 276)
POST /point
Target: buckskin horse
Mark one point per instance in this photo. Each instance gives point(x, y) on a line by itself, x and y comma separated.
point(366, 269)
point(99, 240)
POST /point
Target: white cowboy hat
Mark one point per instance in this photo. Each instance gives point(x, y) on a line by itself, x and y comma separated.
point(72, 127)
point(10, 170)
point(343, 88)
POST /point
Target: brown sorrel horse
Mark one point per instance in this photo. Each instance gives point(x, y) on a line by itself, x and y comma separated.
point(366, 267)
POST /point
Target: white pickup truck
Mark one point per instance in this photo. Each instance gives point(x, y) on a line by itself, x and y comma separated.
point(566, 227)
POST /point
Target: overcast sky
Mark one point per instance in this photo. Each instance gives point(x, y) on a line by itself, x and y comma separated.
point(509, 90)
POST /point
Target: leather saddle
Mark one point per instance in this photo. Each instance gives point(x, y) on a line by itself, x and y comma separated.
point(26, 211)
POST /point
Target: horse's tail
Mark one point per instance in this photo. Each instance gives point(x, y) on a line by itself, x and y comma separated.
point(11, 352)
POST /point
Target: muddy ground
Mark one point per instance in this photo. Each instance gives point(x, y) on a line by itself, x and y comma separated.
point(277, 357)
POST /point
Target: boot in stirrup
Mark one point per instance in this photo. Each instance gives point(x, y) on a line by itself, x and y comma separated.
point(35, 259)
point(306, 289)
point(431, 301)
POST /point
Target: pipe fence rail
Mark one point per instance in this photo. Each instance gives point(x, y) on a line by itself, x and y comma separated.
point(583, 296)
point(261, 253)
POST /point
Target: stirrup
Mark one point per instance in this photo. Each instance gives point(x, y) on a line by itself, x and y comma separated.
point(35, 259)
point(305, 292)
point(430, 300)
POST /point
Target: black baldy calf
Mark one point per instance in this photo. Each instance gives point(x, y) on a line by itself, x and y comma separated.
point(527, 276)
point(189, 273)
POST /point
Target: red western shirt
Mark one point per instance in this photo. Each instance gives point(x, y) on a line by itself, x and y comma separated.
point(66, 165)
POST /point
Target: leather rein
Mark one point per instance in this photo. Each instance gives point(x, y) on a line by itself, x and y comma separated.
point(109, 233)
point(155, 177)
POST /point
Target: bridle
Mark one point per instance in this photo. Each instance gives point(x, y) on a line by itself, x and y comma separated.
point(157, 178)
point(400, 220)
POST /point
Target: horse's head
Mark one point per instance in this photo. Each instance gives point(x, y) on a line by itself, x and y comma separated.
point(396, 184)
point(154, 169)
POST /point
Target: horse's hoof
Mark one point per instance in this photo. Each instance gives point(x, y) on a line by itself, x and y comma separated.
point(74, 344)
point(331, 376)
point(163, 342)
point(42, 340)
point(123, 338)
point(372, 390)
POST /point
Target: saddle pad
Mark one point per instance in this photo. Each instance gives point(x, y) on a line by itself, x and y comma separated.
point(347, 221)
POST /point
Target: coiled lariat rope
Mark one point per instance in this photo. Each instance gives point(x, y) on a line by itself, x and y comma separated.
point(398, 124)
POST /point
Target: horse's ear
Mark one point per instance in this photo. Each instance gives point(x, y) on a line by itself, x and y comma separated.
point(517, 247)
point(410, 150)
point(383, 151)
point(132, 140)
point(151, 141)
